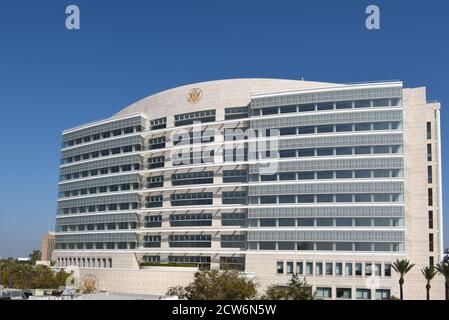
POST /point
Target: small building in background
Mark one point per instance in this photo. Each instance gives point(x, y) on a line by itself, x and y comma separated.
point(48, 245)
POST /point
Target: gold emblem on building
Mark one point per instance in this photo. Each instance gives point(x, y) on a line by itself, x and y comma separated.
point(194, 95)
point(89, 284)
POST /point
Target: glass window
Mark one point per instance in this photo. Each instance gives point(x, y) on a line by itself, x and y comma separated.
point(324, 129)
point(287, 176)
point(362, 103)
point(324, 151)
point(309, 268)
point(364, 294)
point(267, 222)
point(287, 153)
point(362, 150)
point(308, 198)
point(324, 246)
point(378, 269)
point(287, 199)
point(360, 174)
point(343, 222)
point(363, 246)
point(325, 106)
point(306, 175)
point(381, 102)
point(343, 151)
point(307, 130)
point(270, 110)
point(280, 267)
point(329, 268)
point(287, 131)
point(381, 173)
point(306, 152)
point(286, 246)
point(381, 149)
point(343, 104)
point(382, 294)
point(343, 174)
point(358, 269)
point(343, 127)
point(289, 267)
point(343, 198)
point(325, 198)
point(387, 270)
point(306, 107)
point(324, 222)
point(368, 269)
point(381, 126)
point(299, 268)
point(362, 197)
point(318, 268)
point(344, 293)
point(362, 126)
point(325, 175)
point(288, 109)
point(338, 268)
point(304, 246)
point(348, 269)
point(324, 293)
point(305, 222)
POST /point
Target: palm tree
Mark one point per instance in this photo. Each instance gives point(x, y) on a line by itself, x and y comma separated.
point(402, 267)
point(429, 273)
point(443, 269)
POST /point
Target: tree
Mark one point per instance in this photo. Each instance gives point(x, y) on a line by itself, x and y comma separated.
point(275, 292)
point(296, 289)
point(35, 256)
point(217, 285)
point(177, 291)
point(402, 267)
point(26, 276)
point(443, 269)
point(428, 273)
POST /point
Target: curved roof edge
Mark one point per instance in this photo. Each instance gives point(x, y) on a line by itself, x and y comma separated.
point(256, 86)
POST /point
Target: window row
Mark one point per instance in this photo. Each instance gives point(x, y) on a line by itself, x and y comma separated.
point(100, 208)
point(101, 189)
point(101, 171)
point(195, 137)
point(96, 246)
point(84, 262)
point(330, 174)
point(202, 262)
point(97, 227)
point(102, 153)
point(330, 128)
point(346, 269)
point(340, 151)
point(196, 241)
point(326, 222)
point(196, 220)
point(346, 293)
point(329, 198)
point(326, 106)
point(327, 246)
point(191, 117)
point(103, 135)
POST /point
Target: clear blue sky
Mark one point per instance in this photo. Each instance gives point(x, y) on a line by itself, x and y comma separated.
point(52, 78)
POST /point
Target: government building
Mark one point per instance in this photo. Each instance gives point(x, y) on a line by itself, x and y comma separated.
point(270, 177)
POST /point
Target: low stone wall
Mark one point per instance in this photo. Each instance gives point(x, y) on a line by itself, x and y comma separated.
point(151, 280)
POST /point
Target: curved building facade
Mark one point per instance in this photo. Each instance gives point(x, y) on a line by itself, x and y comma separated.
point(271, 177)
